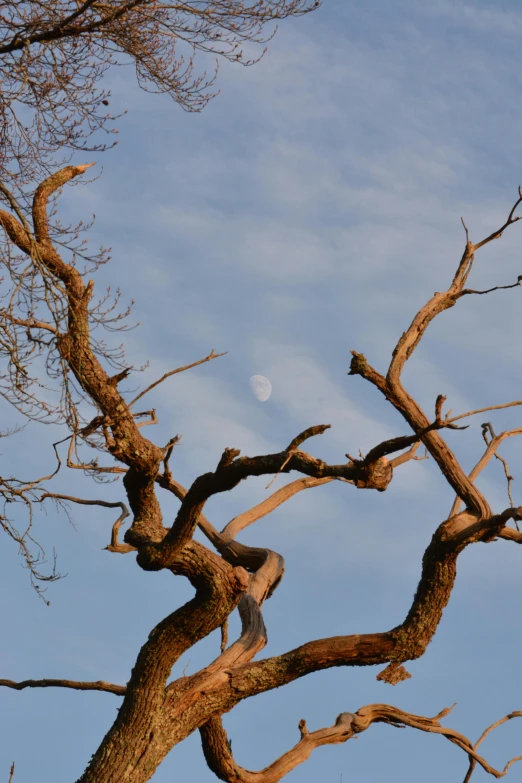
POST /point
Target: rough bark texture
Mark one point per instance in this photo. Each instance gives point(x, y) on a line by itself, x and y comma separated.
point(155, 715)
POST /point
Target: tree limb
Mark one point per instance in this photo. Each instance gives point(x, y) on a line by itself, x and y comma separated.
point(231, 470)
point(218, 753)
point(269, 504)
point(99, 685)
point(407, 641)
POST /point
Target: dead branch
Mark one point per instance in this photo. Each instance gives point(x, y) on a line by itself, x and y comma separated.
point(490, 452)
point(509, 477)
point(115, 545)
point(149, 388)
point(394, 392)
point(495, 288)
point(403, 442)
point(473, 760)
point(407, 456)
point(484, 410)
point(153, 419)
point(512, 218)
point(487, 430)
point(411, 411)
point(218, 753)
point(269, 504)
point(93, 465)
point(99, 685)
point(87, 502)
point(232, 469)
point(297, 441)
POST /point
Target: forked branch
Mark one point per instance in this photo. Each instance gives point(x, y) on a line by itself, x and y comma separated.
point(232, 469)
point(490, 452)
point(218, 753)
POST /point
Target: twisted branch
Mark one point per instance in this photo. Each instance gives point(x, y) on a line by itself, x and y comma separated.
point(218, 753)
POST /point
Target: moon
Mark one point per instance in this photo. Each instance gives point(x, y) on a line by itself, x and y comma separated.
point(261, 387)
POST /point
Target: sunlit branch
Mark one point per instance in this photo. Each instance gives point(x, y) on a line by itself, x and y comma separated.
point(218, 753)
point(269, 504)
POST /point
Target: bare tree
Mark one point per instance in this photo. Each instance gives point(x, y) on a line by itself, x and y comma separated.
point(157, 714)
point(54, 55)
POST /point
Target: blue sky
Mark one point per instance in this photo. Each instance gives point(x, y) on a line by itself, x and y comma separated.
point(310, 209)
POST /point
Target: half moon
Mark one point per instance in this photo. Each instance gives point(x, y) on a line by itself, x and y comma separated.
point(261, 387)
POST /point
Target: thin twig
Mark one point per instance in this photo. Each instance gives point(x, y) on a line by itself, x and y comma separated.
point(495, 288)
point(497, 234)
point(487, 427)
point(491, 450)
point(208, 358)
point(285, 463)
point(83, 502)
point(473, 762)
point(99, 685)
point(484, 410)
point(115, 545)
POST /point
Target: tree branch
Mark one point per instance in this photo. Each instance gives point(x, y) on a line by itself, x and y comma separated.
point(417, 419)
point(269, 504)
point(473, 760)
point(99, 685)
point(484, 410)
point(393, 390)
point(232, 469)
point(267, 569)
point(114, 546)
point(490, 452)
point(498, 233)
point(495, 288)
point(407, 641)
point(218, 753)
point(208, 358)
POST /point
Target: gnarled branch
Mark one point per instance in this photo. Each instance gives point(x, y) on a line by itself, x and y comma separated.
point(218, 753)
